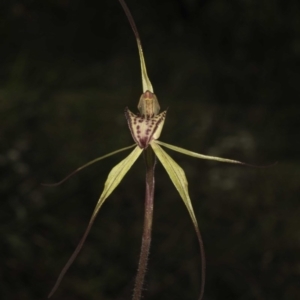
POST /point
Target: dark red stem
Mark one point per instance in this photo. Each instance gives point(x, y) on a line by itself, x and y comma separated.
point(150, 160)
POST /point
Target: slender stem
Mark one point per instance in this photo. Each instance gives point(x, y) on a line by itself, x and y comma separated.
point(150, 160)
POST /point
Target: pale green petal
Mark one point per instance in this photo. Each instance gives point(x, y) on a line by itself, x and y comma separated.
point(116, 175)
point(88, 164)
point(114, 178)
point(178, 178)
point(198, 155)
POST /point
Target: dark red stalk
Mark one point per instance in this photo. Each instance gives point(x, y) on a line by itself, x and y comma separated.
point(150, 161)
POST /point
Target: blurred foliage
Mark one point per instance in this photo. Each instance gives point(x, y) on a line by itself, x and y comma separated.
point(229, 73)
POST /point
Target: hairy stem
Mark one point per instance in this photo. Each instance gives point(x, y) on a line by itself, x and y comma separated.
point(150, 160)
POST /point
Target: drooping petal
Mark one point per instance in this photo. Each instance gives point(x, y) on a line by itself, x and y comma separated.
point(144, 128)
point(114, 178)
point(178, 178)
point(198, 155)
point(88, 164)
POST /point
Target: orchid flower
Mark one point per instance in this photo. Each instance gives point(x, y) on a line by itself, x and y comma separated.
point(145, 128)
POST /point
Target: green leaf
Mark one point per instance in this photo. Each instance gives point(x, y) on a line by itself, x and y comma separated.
point(178, 178)
point(198, 155)
point(114, 178)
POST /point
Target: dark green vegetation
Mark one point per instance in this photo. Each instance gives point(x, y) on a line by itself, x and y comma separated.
point(229, 73)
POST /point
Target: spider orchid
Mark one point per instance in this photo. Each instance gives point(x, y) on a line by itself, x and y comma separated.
point(145, 128)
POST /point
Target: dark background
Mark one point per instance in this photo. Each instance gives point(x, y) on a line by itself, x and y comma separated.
point(229, 73)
